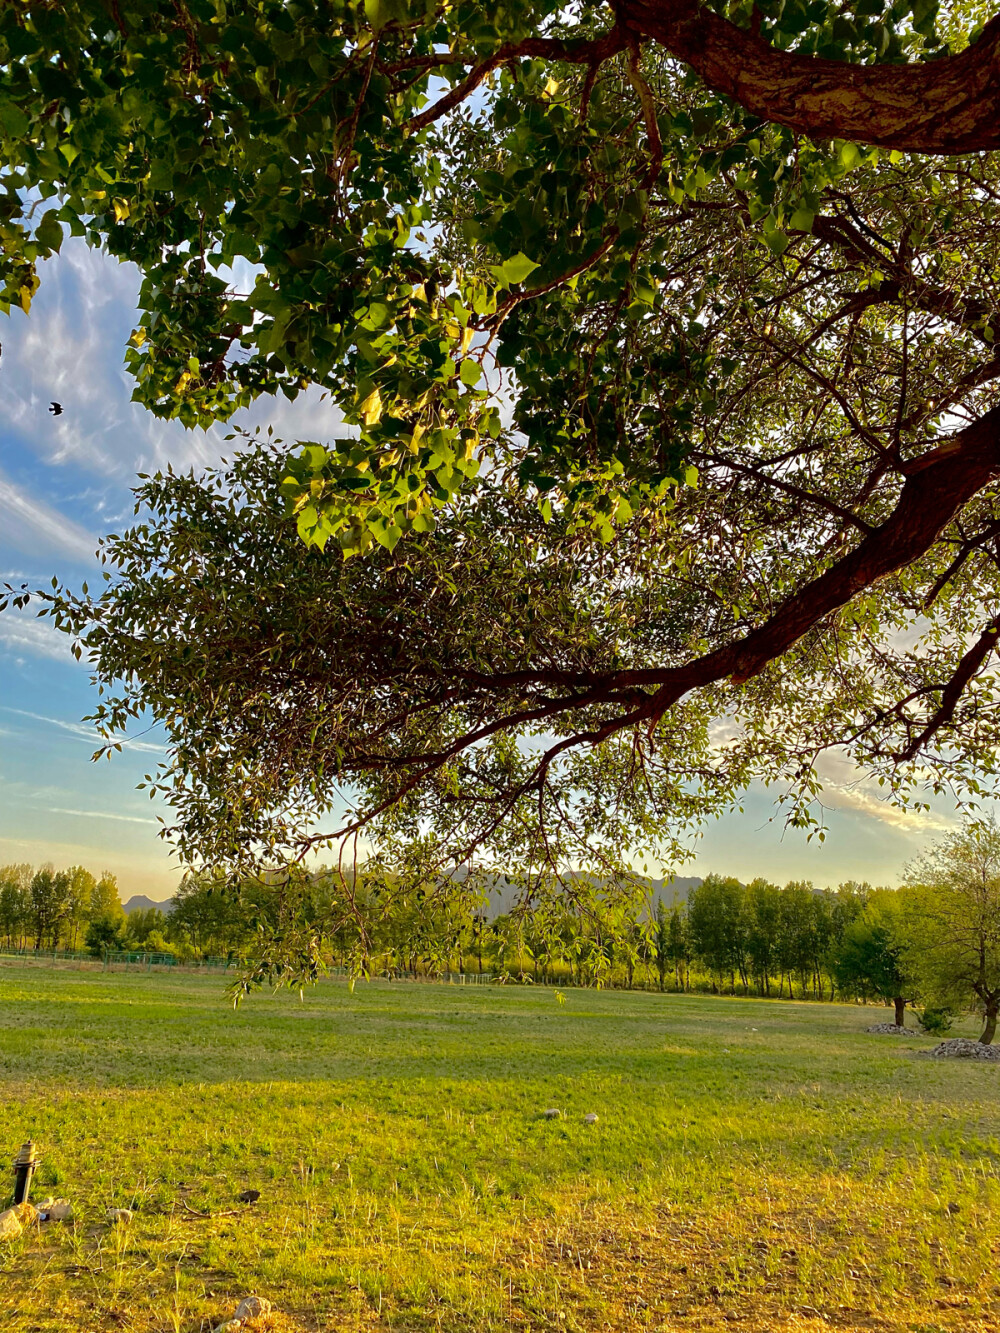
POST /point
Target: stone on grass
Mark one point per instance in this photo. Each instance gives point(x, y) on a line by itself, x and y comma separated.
point(252, 1307)
point(961, 1048)
point(123, 1215)
point(553, 1113)
point(891, 1030)
point(590, 1118)
point(56, 1210)
point(14, 1220)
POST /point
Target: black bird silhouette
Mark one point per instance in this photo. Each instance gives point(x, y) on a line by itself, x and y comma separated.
point(56, 409)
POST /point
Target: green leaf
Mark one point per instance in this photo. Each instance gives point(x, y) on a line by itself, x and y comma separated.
point(378, 314)
point(471, 373)
point(49, 232)
point(13, 120)
point(802, 219)
point(380, 13)
point(386, 534)
point(520, 267)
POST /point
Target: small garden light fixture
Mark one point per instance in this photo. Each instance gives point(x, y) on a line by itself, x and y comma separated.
point(24, 1168)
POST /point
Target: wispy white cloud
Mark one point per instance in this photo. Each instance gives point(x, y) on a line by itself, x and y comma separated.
point(71, 350)
point(846, 788)
point(102, 814)
point(81, 731)
point(22, 634)
point(36, 528)
point(862, 801)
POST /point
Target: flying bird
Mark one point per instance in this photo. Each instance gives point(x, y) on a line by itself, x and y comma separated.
point(56, 409)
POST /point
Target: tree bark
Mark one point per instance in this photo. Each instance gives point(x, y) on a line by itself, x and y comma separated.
point(990, 1025)
point(944, 106)
point(900, 1004)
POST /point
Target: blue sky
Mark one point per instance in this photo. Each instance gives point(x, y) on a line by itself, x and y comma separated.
point(64, 481)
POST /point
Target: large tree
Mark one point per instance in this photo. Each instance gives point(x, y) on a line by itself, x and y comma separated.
point(660, 345)
point(951, 922)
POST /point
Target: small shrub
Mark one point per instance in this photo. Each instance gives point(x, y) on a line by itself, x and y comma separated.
point(936, 1022)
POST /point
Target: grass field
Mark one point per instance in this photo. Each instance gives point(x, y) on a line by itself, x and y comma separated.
point(757, 1165)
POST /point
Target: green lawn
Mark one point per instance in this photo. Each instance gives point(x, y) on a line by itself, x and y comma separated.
point(757, 1164)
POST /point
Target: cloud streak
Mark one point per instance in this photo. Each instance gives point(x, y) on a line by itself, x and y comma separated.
point(34, 527)
point(82, 732)
point(22, 633)
point(102, 814)
point(852, 793)
point(856, 800)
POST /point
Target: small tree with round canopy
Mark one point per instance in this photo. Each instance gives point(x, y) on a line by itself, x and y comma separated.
point(952, 908)
point(869, 961)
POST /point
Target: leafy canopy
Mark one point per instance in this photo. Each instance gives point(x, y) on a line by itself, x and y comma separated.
point(660, 347)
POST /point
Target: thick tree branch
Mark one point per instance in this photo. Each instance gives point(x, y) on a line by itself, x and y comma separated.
point(936, 487)
point(930, 499)
point(944, 106)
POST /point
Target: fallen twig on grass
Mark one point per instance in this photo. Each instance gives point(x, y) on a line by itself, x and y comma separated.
point(229, 1212)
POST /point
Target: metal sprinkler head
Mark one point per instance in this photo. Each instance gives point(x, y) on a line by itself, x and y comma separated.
point(24, 1168)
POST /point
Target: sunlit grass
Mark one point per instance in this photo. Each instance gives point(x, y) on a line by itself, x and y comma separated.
point(755, 1165)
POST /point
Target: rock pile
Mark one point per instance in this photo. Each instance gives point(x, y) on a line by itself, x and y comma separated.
point(890, 1030)
point(14, 1220)
point(961, 1048)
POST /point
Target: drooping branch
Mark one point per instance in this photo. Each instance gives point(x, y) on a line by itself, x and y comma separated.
point(946, 106)
point(580, 52)
point(972, 314)
point(971, 663)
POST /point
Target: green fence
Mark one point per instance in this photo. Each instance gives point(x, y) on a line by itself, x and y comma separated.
point(123, 960)
point(111, 960)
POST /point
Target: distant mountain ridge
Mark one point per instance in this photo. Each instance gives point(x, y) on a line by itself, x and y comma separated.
point(140, 903)
point(502, 894)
